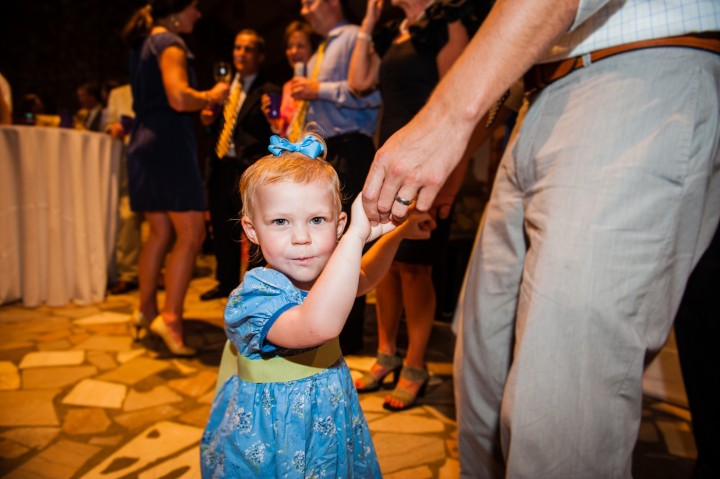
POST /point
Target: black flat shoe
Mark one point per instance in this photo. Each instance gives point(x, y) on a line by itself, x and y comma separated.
point(122, 287)
point(215, 293)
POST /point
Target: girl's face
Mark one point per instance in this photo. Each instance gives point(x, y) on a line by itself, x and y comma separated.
point(297, 227)
point(187, 18)
point(298, 48)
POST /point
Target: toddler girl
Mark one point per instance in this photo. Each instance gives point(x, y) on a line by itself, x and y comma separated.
point(291, 410)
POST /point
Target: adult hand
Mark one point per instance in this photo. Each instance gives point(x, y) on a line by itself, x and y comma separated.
point(413, 164)
point(303, 88)
point(372, 15)
point(117, 131)
point(219, 93)
point(442, 206)
point(207, 116)
point(265, 105)
point(418, 226)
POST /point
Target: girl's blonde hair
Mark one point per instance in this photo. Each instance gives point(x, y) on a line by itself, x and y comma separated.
point(290, 166)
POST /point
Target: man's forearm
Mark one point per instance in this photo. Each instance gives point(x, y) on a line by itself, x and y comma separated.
point(514, 36)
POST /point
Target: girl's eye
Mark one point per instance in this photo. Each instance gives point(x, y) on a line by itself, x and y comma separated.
point(280, 222)
point(317, 220)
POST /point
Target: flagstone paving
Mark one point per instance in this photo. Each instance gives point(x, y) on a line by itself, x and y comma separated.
point(79, 399)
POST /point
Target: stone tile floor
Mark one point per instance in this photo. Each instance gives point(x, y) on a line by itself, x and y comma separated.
point(80, 399)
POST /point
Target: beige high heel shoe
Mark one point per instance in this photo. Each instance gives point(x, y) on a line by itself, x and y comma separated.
point(160, 328)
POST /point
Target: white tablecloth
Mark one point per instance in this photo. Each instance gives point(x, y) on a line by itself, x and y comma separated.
point(58, 214)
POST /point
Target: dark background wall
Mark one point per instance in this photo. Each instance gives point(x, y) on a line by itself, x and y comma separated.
point(50, 47)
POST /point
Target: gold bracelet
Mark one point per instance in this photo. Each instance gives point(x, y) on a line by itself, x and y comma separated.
point(364, 36)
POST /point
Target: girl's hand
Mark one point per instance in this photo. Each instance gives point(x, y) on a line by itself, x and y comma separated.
point(418, 225)
point(361, 226)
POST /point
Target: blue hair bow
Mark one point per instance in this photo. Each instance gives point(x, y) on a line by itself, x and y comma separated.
point(308, 146)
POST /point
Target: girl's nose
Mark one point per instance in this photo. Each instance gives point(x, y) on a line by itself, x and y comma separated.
point(300, 235)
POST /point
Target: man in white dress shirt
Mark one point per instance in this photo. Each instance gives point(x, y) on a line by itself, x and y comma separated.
point(608, 194)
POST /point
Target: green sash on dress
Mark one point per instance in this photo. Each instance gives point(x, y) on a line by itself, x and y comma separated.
point(278, 369)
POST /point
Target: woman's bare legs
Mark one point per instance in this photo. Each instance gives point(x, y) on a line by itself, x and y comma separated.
point(388, 311)
point(151, 260)
point(418, 296)
point(189, 228)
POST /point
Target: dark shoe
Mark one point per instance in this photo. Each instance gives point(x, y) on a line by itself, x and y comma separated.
point(388, 364)
point(122, 287)
point(215, 293)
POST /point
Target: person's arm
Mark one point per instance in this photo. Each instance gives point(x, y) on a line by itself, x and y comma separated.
point(5, 115)
point(323, 313)
point(173, 66)
point(458, 39)
point(333, 85)
point(418, 159)
point(365, 63)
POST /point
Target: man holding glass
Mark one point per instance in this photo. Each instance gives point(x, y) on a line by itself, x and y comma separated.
point(242, 137)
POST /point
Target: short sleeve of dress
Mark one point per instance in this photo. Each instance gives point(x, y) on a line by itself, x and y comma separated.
point(384, 35)
point(430, 33)
point(161, 41)
point(253, 308)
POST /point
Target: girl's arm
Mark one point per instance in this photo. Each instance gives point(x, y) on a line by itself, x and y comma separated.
point(322, 315)
point(173, 67)
point(365, 63)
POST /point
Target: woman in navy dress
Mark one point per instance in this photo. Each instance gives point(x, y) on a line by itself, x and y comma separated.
point(163, 172)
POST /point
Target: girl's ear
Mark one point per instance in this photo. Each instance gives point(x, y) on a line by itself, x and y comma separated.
point(342, 221)
point(249, 230)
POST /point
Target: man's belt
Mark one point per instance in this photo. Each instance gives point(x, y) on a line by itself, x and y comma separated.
point(543, 74)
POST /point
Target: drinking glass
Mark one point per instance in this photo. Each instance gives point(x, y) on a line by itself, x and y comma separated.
point(222, 72)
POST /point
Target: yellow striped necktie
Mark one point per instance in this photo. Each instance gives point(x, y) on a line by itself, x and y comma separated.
point(298, 121)
point(230, 116)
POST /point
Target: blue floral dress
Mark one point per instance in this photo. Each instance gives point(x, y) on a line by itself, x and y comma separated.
point(308, 428)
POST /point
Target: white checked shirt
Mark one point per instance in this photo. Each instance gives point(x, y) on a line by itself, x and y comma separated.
point(605, 23)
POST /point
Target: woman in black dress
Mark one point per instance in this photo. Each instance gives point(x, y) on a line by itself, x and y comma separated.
point(405, 59)
point(163, 172)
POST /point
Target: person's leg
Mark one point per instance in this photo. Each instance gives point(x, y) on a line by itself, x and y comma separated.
point(388, 311)
point(224, 207)
point(189, 230)
point(484, 321)
point(418, 297)
point(389, 308)
point(152, 257)
point(619, 196)
point(129, 242)
point(697, 330)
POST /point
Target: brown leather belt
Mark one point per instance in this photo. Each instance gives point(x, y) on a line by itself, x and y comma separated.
point(543, 74)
